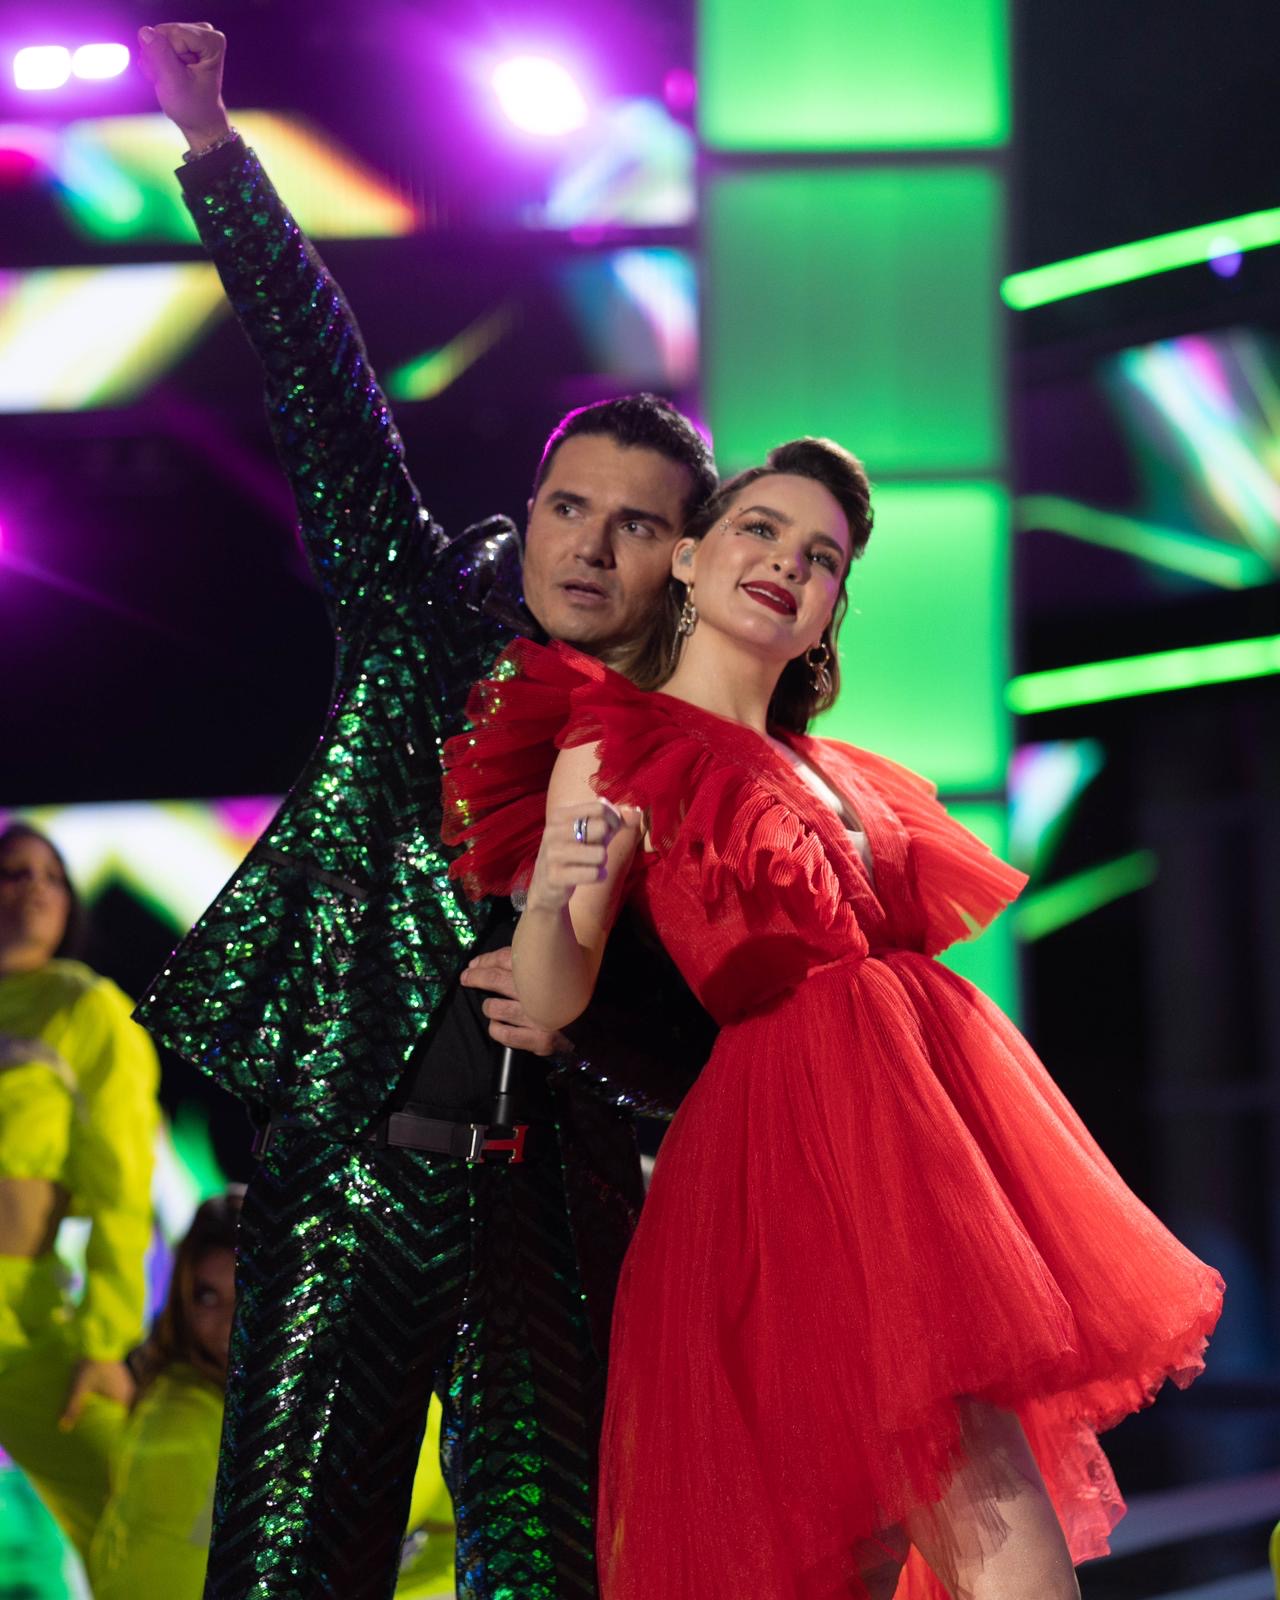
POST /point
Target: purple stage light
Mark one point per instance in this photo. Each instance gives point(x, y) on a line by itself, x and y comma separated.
point(42, 66)
point(680, 91)
point(98, 61)
point(539, 96)
point(1224, 257)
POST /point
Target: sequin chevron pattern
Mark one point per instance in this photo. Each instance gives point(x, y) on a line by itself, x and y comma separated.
point(367, 1276)
point(356, 1267)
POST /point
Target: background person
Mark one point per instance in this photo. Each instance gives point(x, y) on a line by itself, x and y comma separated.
point(153, 1537)
point(78, 1116)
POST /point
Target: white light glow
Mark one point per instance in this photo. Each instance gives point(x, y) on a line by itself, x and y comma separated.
point(42, 66)
point(539, 96)
point(95, 61)
point(72, 337)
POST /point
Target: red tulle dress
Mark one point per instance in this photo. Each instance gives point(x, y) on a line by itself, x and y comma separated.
point(874, 1200)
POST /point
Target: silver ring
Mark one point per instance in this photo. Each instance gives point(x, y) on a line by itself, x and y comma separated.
point(580, 827)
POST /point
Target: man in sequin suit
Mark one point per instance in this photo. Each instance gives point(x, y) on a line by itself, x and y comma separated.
point(322, 986)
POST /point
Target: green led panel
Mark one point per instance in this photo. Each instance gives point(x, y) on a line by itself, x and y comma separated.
point(860, 304)
point(990, 960)
point(924, 648)
point(827, 75)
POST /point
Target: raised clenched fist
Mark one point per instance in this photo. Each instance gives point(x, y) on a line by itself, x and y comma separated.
point(183, 60)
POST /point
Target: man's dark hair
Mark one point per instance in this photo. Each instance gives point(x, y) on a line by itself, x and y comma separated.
point(640, 422)
point(75, 936)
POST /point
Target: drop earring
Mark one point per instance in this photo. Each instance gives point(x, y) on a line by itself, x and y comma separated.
point(686, 623)
point(819, 659)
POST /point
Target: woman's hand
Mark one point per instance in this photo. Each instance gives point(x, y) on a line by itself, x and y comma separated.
point(183, 61)
point(110, 1379)
point(579, 880)
point(575, 850)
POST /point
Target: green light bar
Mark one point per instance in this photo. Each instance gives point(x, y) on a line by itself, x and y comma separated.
point(193, 1145)
point(1063, 903)
point(1144, 258)
point(432, 373)
point(1189, 668)
point(1210, 560)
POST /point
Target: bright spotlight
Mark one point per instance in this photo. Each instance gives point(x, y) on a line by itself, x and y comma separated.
point(539, 96)
point(42, 66)
point(100, 60)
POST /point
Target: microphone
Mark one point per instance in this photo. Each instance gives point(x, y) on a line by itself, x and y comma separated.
point(501, 1113)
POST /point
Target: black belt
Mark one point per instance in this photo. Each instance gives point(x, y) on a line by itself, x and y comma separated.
point(469, 1141)
point(472, 1142)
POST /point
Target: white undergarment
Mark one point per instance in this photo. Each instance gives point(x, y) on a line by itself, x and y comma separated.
point(829, 797)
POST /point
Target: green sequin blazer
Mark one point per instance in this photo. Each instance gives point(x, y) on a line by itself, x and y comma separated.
point(309, 980)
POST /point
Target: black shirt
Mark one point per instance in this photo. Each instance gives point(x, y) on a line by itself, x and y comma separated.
point(453, 1072)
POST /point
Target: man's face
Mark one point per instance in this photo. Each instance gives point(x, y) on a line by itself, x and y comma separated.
point(598, 547)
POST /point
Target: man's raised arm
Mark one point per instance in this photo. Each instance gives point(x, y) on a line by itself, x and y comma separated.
point(358, 509)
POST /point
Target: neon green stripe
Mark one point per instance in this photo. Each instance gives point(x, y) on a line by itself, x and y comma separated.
point(193, 1145)
point(431, 374)
point(1144, 258)
point(1210, 560)
point(1063, 903)
point(1189, 668)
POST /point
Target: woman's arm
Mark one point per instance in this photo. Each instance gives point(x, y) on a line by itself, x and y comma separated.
point(111, 1160)
point(110, 1164)
point(574, 895)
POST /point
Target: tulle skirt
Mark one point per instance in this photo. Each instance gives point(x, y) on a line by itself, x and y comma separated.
point(874, 1207)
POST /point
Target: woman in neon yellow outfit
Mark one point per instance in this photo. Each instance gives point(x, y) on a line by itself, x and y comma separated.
point(77, 1122)
point(153, 1539)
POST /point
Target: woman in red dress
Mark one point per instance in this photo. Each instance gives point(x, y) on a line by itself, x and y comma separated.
point(886, 1290)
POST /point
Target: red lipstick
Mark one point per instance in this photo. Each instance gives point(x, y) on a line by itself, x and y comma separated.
point(771, 595)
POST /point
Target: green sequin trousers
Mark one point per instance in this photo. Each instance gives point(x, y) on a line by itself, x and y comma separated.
point(367, 1278)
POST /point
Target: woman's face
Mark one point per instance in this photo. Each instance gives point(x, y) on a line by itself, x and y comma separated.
point(35, 900)
point(212, 1304)
point(769, 571)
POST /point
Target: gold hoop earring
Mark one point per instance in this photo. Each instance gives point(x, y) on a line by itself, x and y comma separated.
point(820, 669)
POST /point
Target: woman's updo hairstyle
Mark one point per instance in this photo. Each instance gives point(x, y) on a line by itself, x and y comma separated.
point(795, 701)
